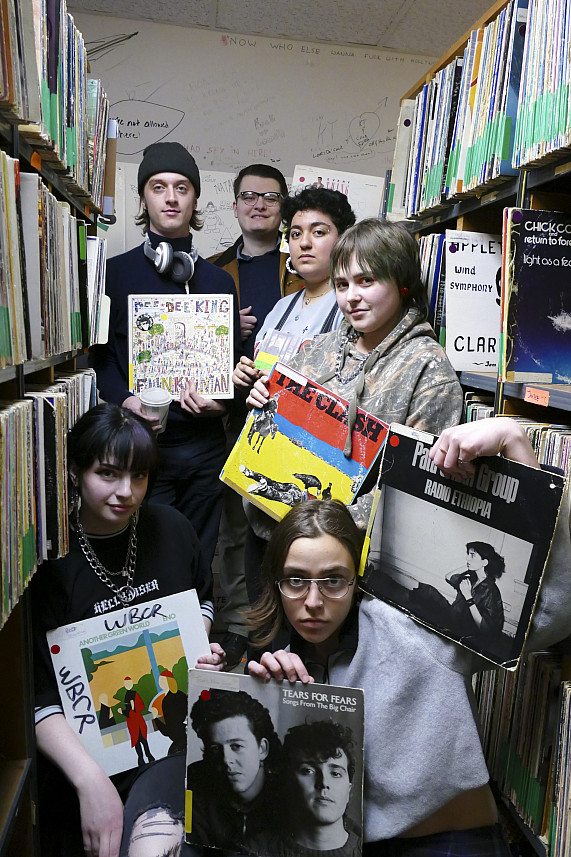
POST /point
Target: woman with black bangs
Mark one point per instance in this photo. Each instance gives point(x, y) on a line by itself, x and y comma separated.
point(122, 553)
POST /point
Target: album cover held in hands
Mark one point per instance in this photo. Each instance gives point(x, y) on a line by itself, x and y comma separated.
point(173, 338)
point(272, 768)
point(464, 558)
point(122, 678)
point(292, 449)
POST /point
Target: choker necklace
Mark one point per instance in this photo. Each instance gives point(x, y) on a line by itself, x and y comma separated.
point(307, 301)
point(125, 593)
point(345, 379)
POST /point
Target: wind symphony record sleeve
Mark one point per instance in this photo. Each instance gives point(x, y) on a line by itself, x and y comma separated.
point(176, 337)
point(273, 768)
point(464, 558)
point(292, 449)
point(122, 678)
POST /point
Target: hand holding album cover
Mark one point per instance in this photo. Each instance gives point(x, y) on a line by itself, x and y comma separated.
point(292, 449)
point(122, 678)
point(272, 768)
point(465, 558)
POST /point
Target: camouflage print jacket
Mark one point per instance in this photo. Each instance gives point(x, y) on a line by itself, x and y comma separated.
point(411, 382)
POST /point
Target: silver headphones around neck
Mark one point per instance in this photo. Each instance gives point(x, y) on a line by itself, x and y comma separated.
point(176, 264)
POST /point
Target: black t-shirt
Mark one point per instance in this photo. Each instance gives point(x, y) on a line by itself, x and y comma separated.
point(169, 560)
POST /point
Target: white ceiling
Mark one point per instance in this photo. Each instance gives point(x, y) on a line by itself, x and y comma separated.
point(421, 27)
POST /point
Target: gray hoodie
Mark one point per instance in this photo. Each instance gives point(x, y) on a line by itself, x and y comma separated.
point(422, 746)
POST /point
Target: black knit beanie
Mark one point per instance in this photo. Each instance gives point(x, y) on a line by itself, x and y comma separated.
point(168, 158)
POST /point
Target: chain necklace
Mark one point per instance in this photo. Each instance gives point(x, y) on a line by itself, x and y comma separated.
point(345, 379)
point(307, 301)
point(125, 593)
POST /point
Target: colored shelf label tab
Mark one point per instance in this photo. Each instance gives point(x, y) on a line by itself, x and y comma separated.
point(36, 161)
point(536, 397)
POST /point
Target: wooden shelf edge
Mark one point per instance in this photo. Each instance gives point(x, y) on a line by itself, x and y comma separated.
point(480, 380)
point(8, 373)
point(14, 776)
point(457, 48)
point(37, 365)
point(558, 395)
point(464, 204)
point(52, 172)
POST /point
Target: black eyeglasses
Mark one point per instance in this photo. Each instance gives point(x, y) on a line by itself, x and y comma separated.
point(298, 587)
point(250, 197)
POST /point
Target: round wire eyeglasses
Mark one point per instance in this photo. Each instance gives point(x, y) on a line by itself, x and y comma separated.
point(330, 587)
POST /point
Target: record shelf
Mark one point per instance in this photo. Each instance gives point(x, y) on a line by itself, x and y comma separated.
point(540, 184)
point(18, 778)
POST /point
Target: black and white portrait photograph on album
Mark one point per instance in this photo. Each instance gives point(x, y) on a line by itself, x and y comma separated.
point(274, 770)
point(464, 557)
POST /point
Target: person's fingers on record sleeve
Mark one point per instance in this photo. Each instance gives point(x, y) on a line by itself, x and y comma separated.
point(258, 670)
point(284, 664)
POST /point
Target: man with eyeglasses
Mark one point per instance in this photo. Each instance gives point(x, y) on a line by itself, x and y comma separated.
point(254, 260)
point(261, 279)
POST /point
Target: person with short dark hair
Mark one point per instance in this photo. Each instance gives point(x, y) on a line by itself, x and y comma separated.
point(319, 772)
point(254, 260)
point(122, 552)
point(234, 784)
point(193, 443)
point(258, 269)
point(314, 219)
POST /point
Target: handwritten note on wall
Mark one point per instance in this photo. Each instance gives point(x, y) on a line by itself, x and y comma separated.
point(234, 99)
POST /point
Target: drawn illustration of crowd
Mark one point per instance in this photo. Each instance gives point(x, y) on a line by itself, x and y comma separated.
point(148, 512)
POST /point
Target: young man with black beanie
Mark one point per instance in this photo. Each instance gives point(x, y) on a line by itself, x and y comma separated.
point(193, 444)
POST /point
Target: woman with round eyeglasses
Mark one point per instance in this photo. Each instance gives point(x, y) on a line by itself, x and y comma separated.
point(426, 788)
point(415, 689)
point(314, 219)
point(309, 585)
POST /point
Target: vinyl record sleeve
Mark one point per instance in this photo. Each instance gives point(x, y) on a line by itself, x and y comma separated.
point(424, 526)
point(292, 449)
point(96, 660)
point(301, 777)
point(176, 337)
